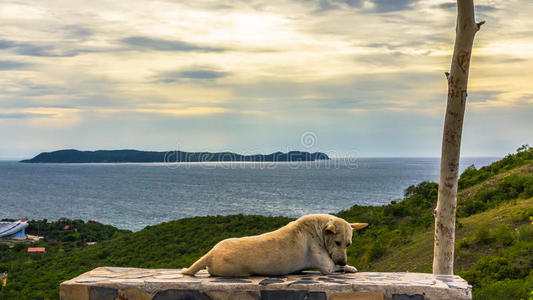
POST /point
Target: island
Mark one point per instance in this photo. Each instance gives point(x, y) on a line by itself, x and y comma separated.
point(136, 156)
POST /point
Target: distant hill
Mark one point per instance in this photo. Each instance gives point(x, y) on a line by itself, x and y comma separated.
point(135, 156)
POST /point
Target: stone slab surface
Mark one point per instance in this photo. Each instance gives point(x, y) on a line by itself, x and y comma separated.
point(163, 284)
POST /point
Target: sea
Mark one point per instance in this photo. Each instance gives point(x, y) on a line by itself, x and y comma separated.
point(133, 196)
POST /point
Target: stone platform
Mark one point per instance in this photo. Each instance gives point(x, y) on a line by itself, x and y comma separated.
point(160, 284)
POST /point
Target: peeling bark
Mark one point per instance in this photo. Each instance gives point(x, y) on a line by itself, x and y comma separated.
point(451, 141)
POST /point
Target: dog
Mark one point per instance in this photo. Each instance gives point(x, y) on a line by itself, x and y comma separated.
point(311, 242)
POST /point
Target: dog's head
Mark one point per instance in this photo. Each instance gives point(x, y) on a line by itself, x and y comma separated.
point(338, 236)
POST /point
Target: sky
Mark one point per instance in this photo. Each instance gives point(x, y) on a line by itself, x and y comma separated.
point(346, 77)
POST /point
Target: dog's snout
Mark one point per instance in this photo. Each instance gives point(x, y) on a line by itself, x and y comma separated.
point(342, 262)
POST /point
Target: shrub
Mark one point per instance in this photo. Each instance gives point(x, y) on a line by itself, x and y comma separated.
point(483, 235)
point(506, 289)
point(509, 188)
point(18, 247)
point(504, 236)
point(376, 251)
point(463, 243)
point(525, 233)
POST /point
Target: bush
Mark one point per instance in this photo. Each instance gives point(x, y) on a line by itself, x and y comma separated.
point(463, 243)
point(376, 251)
point(504, 236)
point(525, 233)
point(19, 247)
point(509, 188)
point(506, 289)
point(483, 235)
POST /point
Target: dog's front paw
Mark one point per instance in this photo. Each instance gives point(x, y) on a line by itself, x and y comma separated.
point(326, 271)
point(186, 271)
point(350, 269)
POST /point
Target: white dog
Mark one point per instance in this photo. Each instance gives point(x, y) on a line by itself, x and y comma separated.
point(311, 242)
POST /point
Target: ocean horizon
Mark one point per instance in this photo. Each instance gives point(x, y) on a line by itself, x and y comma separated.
point(135, 195)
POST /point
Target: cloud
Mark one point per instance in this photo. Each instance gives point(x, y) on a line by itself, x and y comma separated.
point(5, 44)
point(23, 115)
point(191, 74)
point(385, 60)
point(364, 86)
point(77, 32)
point(485, 8)
point(22, 88)
point(12, 65)
point(392, 5)
point(148, 43)
point(379, 6)
point(398, 46)
point(40, 50)
point(201, 74)
point(483, 96)
point(448, 5)
point(478, 8)
point(324, 5)
point(44, 51)
point(184, 111)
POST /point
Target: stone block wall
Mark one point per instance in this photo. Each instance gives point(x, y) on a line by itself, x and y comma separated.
point(108, 283)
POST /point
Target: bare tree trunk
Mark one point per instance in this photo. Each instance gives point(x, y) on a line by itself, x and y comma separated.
point(451, 140)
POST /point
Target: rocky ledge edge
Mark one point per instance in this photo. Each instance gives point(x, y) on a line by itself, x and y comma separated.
point(161, 284)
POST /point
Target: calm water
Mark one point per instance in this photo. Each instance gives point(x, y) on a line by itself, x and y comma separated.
point(132, 196)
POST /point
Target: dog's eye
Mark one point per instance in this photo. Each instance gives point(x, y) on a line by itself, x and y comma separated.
point(338, 243)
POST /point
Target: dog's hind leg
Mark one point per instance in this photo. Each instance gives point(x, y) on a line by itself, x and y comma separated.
point(197, 266)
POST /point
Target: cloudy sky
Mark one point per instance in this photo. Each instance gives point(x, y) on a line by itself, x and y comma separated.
point(361, 77)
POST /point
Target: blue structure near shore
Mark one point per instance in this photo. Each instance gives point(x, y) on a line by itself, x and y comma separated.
point(13, 230)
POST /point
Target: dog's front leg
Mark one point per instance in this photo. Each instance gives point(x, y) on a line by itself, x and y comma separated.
point(346, 269)
point(326, 266)
point(327, 270)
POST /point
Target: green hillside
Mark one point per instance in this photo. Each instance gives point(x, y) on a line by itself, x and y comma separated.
point(494, 249)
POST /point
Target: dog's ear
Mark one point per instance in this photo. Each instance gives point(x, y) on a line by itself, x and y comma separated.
point(358, 226)
point(331, 229)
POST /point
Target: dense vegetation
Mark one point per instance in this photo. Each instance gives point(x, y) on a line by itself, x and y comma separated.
point(510, 187)
point(494, 249)
point(473, 176)
point(508, 273)
point(168, 245)
point(40, 270)
point(76, 231)
point(391, 225)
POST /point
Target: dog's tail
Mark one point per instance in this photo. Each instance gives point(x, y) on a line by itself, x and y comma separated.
point(197, 266)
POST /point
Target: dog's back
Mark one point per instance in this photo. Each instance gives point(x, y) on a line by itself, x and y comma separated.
point(271, 253)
